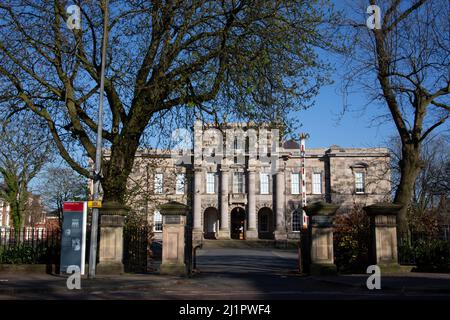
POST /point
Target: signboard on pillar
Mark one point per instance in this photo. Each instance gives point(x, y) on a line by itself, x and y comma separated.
point(73, 237)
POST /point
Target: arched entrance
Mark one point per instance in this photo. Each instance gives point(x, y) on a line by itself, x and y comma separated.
point(238, 222)
point(265, 223)
point(210, 223)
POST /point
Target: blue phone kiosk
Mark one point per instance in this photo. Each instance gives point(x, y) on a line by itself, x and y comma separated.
point(73, 236)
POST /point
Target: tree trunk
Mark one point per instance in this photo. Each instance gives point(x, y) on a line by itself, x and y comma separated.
point(118, 168)
point(16, 215)
point(410, 166)
point(60, 209)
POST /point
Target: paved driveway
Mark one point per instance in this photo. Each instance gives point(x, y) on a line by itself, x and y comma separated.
point(230, 274)
point(235, 261)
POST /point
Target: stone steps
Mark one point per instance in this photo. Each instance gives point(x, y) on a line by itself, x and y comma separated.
point(246, 244)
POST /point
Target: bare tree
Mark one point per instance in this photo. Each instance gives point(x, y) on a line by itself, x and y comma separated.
point(405, 66)
point(60, 184)
point(34, 211)
point(166, 59)
point(24, 148)
point(432, 184)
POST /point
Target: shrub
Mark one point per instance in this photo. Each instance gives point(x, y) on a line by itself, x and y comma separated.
point(24, 253)
point(18, 255)
point(351, 240)
point(422, 246)
point(432, 255)
point(406, 254)
point(423, 222)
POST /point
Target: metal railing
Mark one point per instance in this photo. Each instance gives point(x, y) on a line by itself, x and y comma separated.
point(29, 245)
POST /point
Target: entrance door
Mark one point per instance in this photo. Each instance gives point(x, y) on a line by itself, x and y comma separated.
point(211, 223)
point(265, 223)
point(238, 222)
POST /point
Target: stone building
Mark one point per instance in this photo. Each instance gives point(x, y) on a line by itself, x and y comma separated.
point(241, 183)
point(5, 209)
point(34, 215)
point(4, 214)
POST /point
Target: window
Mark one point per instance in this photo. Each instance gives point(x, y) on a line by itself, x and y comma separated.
point(317, 183)
point(295, 183)
point(236, 151)
point(264, 222)
point(296, 221)
point(210, 182)
point(180, 183)
point(157, 221)
point(359, 182)
point(264, 183)
point(238, 182)
point(159, 183)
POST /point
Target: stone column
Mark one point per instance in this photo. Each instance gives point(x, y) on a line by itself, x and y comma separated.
point(197, 232)
point(320, 230)
point(112, 218)
point(224, 232)
point(383, 235)
point(174, 260)
point(280, 231)
point(252, 232)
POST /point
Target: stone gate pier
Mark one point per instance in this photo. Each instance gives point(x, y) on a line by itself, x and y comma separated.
point(383, 235)
point(320, 231)
point(112, 219)
point(176, 239)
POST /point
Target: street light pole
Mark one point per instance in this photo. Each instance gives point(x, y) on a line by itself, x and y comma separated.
point(98, 153)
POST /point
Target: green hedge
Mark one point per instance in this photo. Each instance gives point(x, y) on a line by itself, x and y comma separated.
point(351, 241)
point(432, 255)
point(29, 254)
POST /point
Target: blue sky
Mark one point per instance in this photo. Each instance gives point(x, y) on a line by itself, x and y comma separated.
point(327, 124)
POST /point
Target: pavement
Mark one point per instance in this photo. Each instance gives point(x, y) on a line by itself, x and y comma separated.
point(230, 274)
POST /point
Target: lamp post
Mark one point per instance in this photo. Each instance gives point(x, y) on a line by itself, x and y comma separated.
point(98, 153)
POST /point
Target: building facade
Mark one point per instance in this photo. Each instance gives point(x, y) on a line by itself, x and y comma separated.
point(4, 213)
point(242, 183)
point(34, 215)
point(5, 210)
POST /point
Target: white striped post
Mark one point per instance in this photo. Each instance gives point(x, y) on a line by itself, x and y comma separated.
point(303, 137)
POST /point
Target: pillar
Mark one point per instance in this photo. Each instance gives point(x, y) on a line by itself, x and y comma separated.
point(320, 231)
point(197, 232)
point(383, 249)
point(252, 231)
point(112, 218)
point(280, 231)
point(224, 231)
point(174, 251)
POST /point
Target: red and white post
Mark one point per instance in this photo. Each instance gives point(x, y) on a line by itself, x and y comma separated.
point(303, 137)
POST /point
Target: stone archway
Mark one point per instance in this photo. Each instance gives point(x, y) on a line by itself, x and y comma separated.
point(210, 223)
point(265, 223)
point(238, 223)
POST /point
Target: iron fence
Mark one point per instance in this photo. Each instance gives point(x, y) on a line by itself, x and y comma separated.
point(43, 246)
point(417, 247)
point(30, 246)
point(136, 248)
